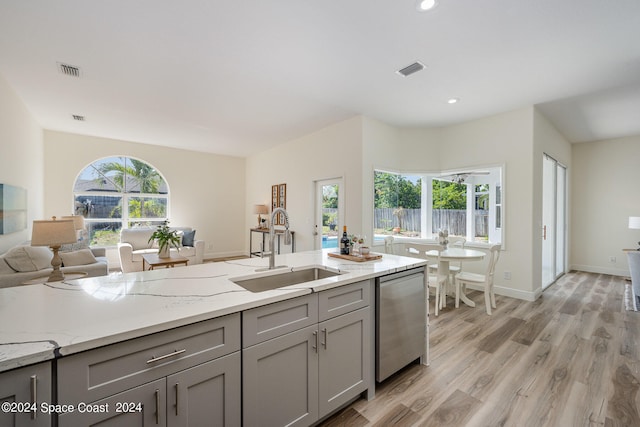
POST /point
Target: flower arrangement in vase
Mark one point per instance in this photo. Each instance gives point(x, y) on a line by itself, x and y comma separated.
point(166, 237)
point(357, 244)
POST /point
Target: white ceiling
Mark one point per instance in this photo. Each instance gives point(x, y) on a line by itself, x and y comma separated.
point(236, 77)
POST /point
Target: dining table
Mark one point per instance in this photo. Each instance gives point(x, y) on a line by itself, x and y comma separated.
point(456, 254)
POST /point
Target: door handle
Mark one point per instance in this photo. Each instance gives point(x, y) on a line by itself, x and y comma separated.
point(544, 233)
point(157, 406)
point(34, 395)
point(159, 358)
point(177, 386)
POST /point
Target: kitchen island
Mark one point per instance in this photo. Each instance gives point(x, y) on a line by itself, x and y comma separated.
point(51, 323)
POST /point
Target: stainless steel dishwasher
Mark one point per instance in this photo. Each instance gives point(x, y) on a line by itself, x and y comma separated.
point(400, 321)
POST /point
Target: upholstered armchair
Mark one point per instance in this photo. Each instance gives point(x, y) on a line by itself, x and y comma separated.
point(134, 242)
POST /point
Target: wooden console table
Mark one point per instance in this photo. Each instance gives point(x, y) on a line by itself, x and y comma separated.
point(265, 232)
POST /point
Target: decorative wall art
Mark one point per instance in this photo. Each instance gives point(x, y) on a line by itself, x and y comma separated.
point(13, 209)
point(278, 200)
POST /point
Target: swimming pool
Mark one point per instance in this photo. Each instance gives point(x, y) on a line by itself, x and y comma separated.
point(329, 242)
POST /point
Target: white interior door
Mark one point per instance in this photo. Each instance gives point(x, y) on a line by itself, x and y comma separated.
point(553, 220)
point(329, 213)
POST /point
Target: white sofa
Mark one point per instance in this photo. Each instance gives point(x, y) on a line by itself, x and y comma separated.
point(23, 263)
point(134, 242)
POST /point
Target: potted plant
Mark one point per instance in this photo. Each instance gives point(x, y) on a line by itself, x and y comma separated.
point(166, 238)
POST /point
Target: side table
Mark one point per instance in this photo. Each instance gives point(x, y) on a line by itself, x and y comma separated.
point(153, 261)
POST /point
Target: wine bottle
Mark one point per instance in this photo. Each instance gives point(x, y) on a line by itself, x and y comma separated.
point(345, 243)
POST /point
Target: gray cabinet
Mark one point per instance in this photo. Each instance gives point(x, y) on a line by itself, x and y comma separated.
point(178, 377)
point(280, 380)
point(299, 376)
point(208, 394)
point(140, 406)
point(25, 390)
point(345, 359)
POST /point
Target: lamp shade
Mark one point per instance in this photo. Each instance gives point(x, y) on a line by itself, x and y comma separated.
point(53, 232)
point(260, 209)
point(78, 221)
point(634, 222)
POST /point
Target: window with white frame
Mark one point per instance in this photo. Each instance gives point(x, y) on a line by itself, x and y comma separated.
point(119, 192)
point(418, 205)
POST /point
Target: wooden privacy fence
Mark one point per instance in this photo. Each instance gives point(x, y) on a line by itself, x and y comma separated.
point(451, 219)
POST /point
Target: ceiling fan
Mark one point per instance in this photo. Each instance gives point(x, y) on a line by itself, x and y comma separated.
point(461, 177)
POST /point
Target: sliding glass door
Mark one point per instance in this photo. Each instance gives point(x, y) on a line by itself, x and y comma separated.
point(554, 195)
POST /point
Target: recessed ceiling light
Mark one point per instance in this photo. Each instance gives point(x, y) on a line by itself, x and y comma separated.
point(424, 5)
point(452, 100)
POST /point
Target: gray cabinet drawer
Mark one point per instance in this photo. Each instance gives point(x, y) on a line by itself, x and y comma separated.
point(263, 323)
point(95, 374)
point(341, 300)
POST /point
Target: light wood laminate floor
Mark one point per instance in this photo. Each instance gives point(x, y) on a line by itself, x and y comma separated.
point(571, 358)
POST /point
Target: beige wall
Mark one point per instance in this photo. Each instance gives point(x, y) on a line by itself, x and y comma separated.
point(206, 190)
point(21, 161)
point(503, 140)
point(606, 193)
point(332, 152)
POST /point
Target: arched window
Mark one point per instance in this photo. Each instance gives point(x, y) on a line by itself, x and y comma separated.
point(119, 192)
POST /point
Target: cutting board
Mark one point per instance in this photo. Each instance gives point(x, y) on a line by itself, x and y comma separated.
point(356, 258)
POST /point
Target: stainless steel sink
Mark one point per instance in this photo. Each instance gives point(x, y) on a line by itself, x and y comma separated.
point(280, 280)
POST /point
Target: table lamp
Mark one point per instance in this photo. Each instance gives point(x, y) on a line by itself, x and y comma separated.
point(53, 233)
point(78, 223)
point(634, 224)
point(260, 210)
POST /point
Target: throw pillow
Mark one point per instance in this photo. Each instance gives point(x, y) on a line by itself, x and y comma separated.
point(180, 234)
point(29, 258)
point(188, 238)
point(81, 257)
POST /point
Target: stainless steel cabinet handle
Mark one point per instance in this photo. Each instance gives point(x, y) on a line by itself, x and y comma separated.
point(156, 359)
point(315, 341)
point(177, 388)
point(324, 331)
point(34, 396)
point(157, 406)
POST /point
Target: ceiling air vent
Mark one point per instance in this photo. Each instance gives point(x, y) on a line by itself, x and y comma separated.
point(69, 70)
point(78, 118)
point(410, 69)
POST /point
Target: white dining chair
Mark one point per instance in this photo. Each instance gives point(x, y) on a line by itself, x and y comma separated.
point(456, 268)
point(389, 248)
point(486, 280)
point(436, 280)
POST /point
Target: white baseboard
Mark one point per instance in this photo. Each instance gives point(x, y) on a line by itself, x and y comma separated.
point(601, 270)
point(511, 293)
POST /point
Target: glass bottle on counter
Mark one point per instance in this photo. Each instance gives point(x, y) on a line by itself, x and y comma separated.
point(345, 243)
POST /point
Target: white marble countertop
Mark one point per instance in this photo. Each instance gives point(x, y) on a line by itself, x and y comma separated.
point(42, 322)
